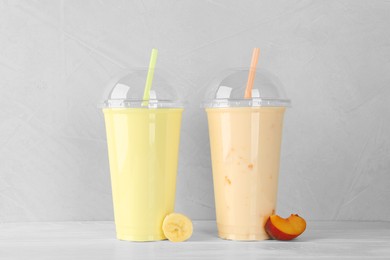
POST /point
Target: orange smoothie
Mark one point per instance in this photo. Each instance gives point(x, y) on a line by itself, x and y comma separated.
point(245, 150)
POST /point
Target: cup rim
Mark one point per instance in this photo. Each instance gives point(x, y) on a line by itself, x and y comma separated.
point(138, 103)
point(250, 102)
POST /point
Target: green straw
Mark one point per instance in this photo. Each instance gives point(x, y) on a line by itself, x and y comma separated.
point(149, 78)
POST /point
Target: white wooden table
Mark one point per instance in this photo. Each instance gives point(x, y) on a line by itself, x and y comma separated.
point(96, 240)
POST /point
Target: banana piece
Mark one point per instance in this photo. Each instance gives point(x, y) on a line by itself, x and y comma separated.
point(177, 227)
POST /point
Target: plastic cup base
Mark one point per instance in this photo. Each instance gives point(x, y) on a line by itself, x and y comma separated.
point(140, 238)
point(240, 237)
point(242, 232)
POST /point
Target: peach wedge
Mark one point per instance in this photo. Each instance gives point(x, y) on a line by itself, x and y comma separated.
point(285, 228)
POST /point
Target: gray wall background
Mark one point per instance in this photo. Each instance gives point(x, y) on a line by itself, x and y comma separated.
point(56, 57)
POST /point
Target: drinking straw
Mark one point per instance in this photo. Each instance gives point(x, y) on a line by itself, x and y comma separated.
point(252, 73)
point(149, 78)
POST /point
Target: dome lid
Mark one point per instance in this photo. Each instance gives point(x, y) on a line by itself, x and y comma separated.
point(227, 89)
point(126, 91)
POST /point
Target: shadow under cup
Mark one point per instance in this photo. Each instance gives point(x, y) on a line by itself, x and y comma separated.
point(245, 150)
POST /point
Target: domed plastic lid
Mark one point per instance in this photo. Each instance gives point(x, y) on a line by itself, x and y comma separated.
point(228, 90)
point(127, 89)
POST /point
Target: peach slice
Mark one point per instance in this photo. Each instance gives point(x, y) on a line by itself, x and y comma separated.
point(285, 228)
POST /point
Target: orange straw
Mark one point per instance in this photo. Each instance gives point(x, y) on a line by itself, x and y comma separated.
point(252, 73)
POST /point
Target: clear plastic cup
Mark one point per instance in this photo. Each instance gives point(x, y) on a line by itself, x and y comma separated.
point(143, 143)
point(245, 140)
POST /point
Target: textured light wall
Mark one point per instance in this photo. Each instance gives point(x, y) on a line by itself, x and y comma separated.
point(56, 57)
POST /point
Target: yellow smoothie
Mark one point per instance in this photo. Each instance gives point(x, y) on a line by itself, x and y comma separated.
point(143, 147)
point(245, 150)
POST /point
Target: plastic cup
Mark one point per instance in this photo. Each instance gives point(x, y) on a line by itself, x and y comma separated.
point(143, 145)
point(245, 140)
